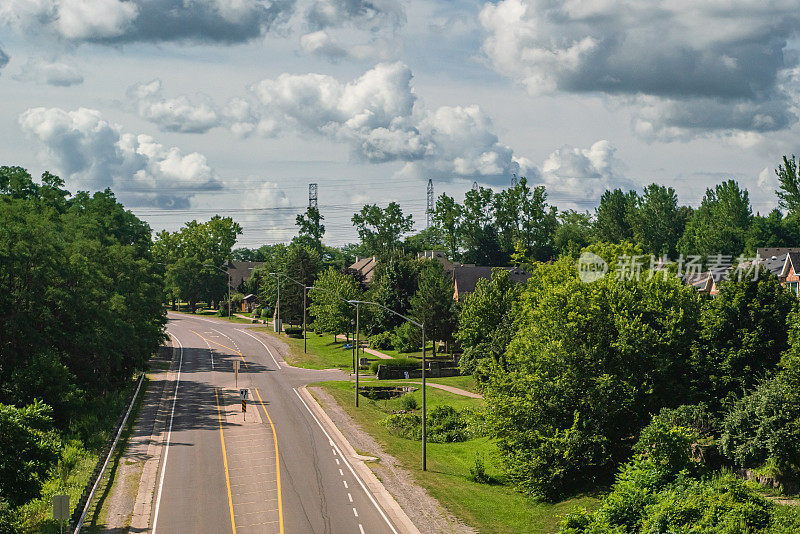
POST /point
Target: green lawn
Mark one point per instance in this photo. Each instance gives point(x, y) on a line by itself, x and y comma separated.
point(490, 508)
point(463, 382)
point(323, 351)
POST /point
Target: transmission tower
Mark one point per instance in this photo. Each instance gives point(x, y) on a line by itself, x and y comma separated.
point(514, 180)
point(430, 201)
point(474, 186)
point(312, 195)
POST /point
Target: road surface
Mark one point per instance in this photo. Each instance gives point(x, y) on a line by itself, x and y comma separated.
point(270, 470)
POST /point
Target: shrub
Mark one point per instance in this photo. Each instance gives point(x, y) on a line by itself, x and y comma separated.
point(407, 338)
point(381, 341)
point(405, 425)
point(404, 364)
point(294, 331)
point(477, 473)
point(445, 425)
point(764, 427)
point(408, 402)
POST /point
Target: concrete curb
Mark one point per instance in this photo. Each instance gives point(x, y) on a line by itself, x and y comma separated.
point(141, 519)
point(398, 517)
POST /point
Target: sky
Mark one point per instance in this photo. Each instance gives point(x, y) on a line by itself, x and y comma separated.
point(189, 108)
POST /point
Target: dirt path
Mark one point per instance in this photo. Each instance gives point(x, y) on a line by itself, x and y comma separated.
point(425, 511)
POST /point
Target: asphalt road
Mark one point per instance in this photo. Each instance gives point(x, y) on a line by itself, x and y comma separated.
point(270, 470)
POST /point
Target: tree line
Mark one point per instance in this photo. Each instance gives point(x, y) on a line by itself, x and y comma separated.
point(80, 312)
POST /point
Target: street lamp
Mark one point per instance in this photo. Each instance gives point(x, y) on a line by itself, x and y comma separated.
point(424, 406)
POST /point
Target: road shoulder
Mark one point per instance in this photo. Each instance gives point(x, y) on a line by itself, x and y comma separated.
point(421, 511)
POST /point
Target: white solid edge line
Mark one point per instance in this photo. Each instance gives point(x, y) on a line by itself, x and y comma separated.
point(169, 434)
point(350, 467)
point(262, 344)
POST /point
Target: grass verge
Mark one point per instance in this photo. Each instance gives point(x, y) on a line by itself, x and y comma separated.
point(490, 508)
point(324, 352)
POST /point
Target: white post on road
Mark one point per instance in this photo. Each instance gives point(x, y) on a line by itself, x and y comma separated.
point(236, 371)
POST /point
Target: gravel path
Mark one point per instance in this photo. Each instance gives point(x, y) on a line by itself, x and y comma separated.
point(427, 514)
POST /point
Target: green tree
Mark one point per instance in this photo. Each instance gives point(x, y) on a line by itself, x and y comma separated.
point(522, 215)
point(588, 364)
point(774, 230)
point(395, 282)
point(311, 228)
point(433, 303)
point(303, 264)
point(657, 221)
point(328, 306)
point(379, 229)
point(614, 214)
point(448, 215)
point(789, 179)
point(574, 232)
point(478, 232)
point(720, 224)
point(28, 449)
point(744, 332)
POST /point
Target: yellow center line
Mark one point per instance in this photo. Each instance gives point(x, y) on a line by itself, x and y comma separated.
point(274, 437)
point(277, 461)
point(225, 461)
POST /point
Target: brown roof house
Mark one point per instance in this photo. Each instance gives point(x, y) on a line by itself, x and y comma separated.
point(240, 272)
point(365, 267)
point(789, 274)
point(465, 278)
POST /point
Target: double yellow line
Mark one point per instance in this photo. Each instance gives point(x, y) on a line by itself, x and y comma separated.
point(222, 440)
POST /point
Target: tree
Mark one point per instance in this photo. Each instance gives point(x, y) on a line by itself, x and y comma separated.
point(303, 264)
point(433, 303)
point(485, 324)
point(774, 230)
point(720, 224)
point(478, 233)
point(28, 449)
point(789, 179)
point(588, 365)
point(311, 228)
point(613, 216)
point(328, 306)
point(395, 282)
point(379, 229)
point(447, 215)
point(744, 332)
point(573, 233)
point(657, 221)
point(522, 215)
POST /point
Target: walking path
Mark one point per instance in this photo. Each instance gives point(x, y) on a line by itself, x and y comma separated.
point(451, 389)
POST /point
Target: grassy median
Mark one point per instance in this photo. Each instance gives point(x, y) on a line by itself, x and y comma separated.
point(489, 507)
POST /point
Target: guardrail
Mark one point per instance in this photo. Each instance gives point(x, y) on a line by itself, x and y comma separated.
point(83, 504)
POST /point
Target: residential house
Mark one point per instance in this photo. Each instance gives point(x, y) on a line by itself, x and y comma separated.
point(365, 267)
point(789, 274)
point(239, 272)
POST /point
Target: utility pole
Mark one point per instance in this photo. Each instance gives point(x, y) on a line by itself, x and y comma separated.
point(358, 363)
point(277, 326)
point(305, 337)
point(312, 195)
point(430, 202)
point(424, 406)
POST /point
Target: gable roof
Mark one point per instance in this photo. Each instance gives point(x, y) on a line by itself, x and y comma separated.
point(465, 277)
point(241, 271)
point(792, 262)
point(365, 266)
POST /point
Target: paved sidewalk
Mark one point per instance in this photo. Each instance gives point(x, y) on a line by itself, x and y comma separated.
point(451, 389)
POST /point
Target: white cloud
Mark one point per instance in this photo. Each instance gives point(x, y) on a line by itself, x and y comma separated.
point(321, 44)
point(91, 153)
point(4, 59)
point(50, 72)
point(174, 114)
point(577, 176)
point(687, 68)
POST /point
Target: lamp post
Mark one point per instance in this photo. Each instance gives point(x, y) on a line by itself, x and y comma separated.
point(304, 303)
point(424, 404)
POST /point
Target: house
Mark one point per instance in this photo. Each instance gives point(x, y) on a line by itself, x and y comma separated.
point(704, 282)
point(239, 272)
point(365, 267)
point(249, 303)
point(789, 273)
point(465, 278)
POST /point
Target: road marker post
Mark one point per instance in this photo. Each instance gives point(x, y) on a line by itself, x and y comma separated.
point(243, 396)
point(236, 371)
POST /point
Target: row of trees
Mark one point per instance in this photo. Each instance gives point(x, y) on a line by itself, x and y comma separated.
point(573, 371)
point(80, 312)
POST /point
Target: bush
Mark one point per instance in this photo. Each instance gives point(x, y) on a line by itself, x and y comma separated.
point(408, 402)
point(381, 341)
point(477, 473)
point(404, 364)
point(407, 338)
point(764, 427)
point(294, 331)
point(445, 425)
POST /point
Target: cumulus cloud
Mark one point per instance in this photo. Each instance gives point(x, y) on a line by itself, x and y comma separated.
point(50, 72)
point(178, 114)
point(574, 176)
point(91, 153)
point(371, 15)
point(121, 21)
point(4, 59)
point(379, 117)
point(321, 44)
point(688, 67)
